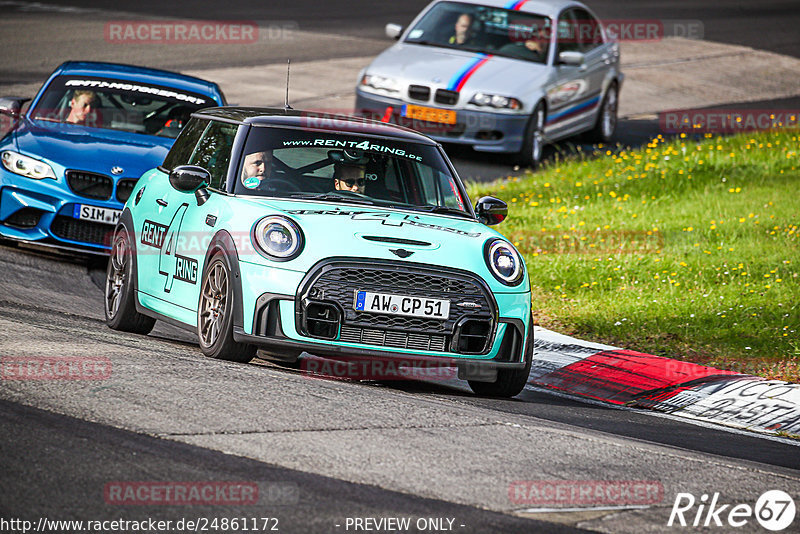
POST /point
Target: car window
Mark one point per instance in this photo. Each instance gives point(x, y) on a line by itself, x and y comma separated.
point(589, 31)
point(184, 146)
point(485, 29)
point(213, 152)
point(119, 105)
point(290, 163)
point(567, 32)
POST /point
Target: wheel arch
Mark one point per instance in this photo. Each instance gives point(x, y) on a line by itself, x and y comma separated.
point(222, 243)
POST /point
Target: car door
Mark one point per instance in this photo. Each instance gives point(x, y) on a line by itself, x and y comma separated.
point(153, 212)
point(192, 223)
point(597, 61)
point(570, 93)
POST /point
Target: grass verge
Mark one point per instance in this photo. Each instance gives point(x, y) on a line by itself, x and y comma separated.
point(688, 249)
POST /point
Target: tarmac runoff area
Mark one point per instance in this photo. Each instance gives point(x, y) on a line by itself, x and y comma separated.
point(672, 74)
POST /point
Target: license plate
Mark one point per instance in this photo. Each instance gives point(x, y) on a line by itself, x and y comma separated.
point(86, 212)
point(423, 113)
point(367, 301)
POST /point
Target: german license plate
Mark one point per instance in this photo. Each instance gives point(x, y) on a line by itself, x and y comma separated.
point(368, 301)
point(86, 212)
point(423, 113)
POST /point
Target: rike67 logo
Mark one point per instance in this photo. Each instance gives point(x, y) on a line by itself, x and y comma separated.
point(774, 510)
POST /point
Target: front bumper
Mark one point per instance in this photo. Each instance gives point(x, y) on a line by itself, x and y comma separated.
point(279, 323)
point(41, 211)
point(484, 131)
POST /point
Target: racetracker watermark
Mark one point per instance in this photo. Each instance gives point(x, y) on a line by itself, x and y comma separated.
point(55, 368)
point(378, 368)
point(590, 242)
point(191, 32)
point(424, 119)
point(618, 30)
point(727, 121)
point(181, 493)
point(586, 493)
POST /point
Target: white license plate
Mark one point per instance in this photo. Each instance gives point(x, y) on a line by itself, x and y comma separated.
point(86, 212)
point(367, 301)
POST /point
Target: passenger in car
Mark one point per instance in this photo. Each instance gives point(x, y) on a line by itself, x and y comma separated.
point(349, 177)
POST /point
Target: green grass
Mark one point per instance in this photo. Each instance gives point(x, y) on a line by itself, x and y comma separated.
point(687, 249)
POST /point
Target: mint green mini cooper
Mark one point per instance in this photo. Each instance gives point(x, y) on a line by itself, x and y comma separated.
point(277, 230)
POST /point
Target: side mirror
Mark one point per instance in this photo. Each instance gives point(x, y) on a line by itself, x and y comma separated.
point(394, 31)
point(491, 210)
point(12, 105)
point(575, 59)
point(191, 179)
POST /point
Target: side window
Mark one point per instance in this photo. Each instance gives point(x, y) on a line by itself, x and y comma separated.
point(568, 32)
point(182, 150)
point(213, 152)
point(589, 31)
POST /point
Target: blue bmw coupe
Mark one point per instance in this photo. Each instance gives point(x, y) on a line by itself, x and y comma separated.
point(71, 159)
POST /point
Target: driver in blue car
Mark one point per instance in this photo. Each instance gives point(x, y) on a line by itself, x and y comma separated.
point(82, 107)
point(349, 177)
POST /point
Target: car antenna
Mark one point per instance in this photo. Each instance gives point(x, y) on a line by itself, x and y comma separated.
point(286, 103)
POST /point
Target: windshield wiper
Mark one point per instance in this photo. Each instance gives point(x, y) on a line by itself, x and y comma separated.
point(332, 196)
point(443, 209)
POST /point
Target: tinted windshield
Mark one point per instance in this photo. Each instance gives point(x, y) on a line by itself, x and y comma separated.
point(484, 29)
point(347, 168)
point(118, 105)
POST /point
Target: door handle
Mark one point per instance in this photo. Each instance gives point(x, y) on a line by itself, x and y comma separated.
point(162, 202)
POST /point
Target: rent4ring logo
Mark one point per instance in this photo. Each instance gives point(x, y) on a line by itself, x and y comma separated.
point(774, 510)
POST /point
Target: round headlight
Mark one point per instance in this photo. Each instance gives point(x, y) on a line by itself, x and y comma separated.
point(278, 237)
point(504, 262)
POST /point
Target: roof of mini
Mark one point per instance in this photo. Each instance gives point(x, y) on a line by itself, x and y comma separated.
point(311, 120)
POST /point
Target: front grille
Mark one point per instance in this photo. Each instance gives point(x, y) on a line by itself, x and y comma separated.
point(24, 218)
point(82, 231)
point(400, 340)
point(125, 188)
point(443, 96)
point(90, 185)
point(419, 92)
point(338, 282)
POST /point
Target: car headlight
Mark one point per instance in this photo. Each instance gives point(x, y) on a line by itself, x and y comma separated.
point(25, 166)
point(495, 101)
point(504, 262)
point(279, 238)
point(381, 82)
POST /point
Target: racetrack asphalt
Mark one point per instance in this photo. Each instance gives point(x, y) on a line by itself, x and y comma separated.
point(352, 449)
point(431, 441)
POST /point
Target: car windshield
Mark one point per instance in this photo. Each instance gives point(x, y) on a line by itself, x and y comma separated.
point(118, 105)
point(484, 29)
point(350, 168)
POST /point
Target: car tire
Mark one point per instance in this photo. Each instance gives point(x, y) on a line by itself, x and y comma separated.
point(606, 125)
point(533, 143)
point(119, 303)
point(215, 314)
point(510, 382)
